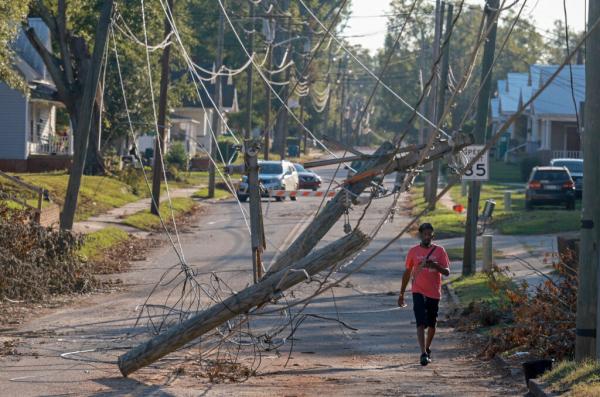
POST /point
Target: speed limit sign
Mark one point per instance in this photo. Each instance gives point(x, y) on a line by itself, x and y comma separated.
point(480, 169)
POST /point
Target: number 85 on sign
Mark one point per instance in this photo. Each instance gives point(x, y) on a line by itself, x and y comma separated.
point(480, 170)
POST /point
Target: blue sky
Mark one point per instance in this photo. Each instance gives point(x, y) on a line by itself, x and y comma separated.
point(369, 22)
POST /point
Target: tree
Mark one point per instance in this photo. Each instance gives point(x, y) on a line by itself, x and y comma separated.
point(75, 72)
point(11, 11)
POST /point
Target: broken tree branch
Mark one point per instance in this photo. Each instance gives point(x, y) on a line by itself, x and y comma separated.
point(255, 295)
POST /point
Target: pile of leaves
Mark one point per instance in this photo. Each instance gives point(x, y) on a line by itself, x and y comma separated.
point(36, 261)
point(542, 321)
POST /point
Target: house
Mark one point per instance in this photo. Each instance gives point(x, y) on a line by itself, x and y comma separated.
point(190, 122)
point(548, 126)
point(31, 142)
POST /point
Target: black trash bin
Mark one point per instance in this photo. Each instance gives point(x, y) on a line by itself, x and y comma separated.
point(536, 368)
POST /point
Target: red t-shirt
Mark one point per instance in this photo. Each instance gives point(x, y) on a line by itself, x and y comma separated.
point(424, 280)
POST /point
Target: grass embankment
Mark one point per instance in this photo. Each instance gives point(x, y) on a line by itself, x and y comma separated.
point(475, 289)
point(501, 172)
point(96, 243)
point(144, 220)
point(574, 379)
point(446, 222)
point(98, 194)
point(456, 253)
point(219, 193)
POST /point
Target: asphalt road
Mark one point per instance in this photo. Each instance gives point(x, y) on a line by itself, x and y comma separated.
point(72, 350)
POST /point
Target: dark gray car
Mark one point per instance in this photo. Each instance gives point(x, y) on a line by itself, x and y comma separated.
point(550, 186)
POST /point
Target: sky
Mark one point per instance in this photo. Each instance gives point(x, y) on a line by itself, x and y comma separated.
point(367, 25)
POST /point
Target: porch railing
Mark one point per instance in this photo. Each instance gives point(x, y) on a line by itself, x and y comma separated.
point(566, 154)
point(54, 144)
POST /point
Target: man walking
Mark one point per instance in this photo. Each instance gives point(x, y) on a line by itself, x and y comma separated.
point(425, 265)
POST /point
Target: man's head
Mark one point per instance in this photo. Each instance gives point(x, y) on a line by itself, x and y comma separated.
point(426, 233)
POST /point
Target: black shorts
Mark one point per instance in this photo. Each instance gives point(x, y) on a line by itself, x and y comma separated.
point(426, 310)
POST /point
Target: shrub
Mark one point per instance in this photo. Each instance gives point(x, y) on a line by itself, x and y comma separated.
point(177, 156)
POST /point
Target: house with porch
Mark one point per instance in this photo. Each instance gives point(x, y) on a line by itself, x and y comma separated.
point(31, 142)
point(549, 126)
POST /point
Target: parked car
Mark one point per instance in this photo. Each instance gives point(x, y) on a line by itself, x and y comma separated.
point(308, 178)
point(575, 167)
point(550, 185)
point(273, 175)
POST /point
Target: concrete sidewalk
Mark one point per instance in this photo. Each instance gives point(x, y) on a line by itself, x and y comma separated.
point(115, 216)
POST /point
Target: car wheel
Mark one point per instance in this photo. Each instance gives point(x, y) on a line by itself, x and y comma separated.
point(242, 197)
point(279, 199)
point(528, 205)
point(293, 198)
point(314, 189)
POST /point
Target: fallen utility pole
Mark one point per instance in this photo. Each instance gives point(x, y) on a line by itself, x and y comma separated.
point(160, 143)
point(586, 346)
point(258, 294)
point(483, 105)
point(297, 263)
point(216, 119)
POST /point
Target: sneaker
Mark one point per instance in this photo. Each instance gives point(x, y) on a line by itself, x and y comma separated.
point(428, 351)
point(425, 359)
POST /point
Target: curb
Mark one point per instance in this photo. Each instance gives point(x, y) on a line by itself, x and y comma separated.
point(537, 389)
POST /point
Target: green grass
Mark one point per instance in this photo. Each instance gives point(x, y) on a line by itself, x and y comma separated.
point(504, 172)
point(574, 379)
point(98, 194)
point(474, 288)
point(190, 179)
point(97, 242)
point(219, 193)
point(447, 223)
point(456, 253)
point(518, 221)
point(144, 220)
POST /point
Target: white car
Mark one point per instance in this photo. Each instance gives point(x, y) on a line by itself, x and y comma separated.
point(273, 175)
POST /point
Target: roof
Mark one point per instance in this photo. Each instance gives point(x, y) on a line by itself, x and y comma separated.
point(555, 100)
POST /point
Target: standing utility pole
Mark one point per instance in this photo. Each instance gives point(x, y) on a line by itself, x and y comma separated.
point(160, 144)
point(441, 101)
point(267, 130)
point(587, 293)
point(216, 120)
point(249, 74)
point(483, 105)
point(432, 114)
point(282, 35)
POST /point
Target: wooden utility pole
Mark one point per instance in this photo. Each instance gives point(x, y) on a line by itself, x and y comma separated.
point(432, 114)
point(483, 104)
point(160, 143)
point(343, 104)
point(267, 131)
point(441, 100)
point(587, 292)
point(216, 119)
point(249, 74)
point(282, 35)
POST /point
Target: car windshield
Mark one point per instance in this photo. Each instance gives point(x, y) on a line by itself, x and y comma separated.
point(572, 166)
point(300, 168)
point(547, 175)
point(271, 168)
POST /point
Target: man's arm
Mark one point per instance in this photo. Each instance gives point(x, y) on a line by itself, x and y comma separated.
point(444, 270)
point(405, 280)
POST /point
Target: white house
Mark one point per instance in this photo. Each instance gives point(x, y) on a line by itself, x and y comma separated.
point(548, 127)
point(30, 139)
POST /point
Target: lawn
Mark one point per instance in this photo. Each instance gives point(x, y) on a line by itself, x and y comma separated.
point(144, 220)
point(475, 288)
point(447, 223)
point(96, 243)
point(574, 379)
point(518, 221)
point(501, 172)
point(98, 194)
point(219, 193)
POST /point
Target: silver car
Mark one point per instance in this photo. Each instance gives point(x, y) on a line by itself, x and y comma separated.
point(273, 175)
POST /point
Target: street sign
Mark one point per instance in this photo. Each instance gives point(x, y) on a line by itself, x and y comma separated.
point(480, 170)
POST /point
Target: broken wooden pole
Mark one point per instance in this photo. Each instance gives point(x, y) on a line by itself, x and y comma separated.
point(380, 163)
point(240, 303)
